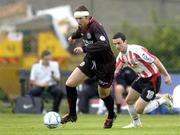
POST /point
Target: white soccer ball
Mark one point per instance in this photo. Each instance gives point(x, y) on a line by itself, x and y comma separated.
point(52, 119)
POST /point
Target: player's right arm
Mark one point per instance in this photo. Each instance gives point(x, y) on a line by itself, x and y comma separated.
point(75, 35)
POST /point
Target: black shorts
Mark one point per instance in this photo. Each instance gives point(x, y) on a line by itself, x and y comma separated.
point(147, 87)
point(126, 77)
point(103, 72)
point(122, 81)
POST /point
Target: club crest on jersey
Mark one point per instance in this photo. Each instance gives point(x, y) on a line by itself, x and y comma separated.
point(102, 38)
point(82, 64)
point(89, 35)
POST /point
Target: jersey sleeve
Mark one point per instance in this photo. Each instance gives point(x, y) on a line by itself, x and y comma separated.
point(76, 34)
point(101, 40)
point(119, 64)
point(145, 55)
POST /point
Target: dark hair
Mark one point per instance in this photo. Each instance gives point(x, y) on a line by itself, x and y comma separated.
point(119, 35)
point(45, 53)
point(81, 8)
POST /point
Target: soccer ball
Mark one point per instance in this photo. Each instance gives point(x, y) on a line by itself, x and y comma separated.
point(52, 119)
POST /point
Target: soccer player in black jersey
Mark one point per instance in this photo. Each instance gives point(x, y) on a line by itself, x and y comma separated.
point(99, 61)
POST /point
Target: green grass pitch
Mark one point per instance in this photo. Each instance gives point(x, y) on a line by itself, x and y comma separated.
point(25, 124)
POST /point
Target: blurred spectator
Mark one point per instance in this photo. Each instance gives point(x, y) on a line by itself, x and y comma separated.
point(44, 77)
point(88, 90)
point(122, 85)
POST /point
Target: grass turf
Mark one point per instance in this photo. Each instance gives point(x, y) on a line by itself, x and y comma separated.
point(28, 124)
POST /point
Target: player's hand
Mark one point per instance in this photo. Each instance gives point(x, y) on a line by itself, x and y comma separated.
point(167, 79)
point(78, 50)
point(72, 41)
point(45, 85)
point(52, 75)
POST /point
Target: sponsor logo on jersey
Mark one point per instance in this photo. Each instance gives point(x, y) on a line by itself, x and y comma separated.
point(87, 42)
point(102, 38)
point(145, 57)
point(89, 35)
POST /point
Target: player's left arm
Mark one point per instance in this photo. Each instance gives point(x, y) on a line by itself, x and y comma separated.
point(167, 77)
point(150, 58)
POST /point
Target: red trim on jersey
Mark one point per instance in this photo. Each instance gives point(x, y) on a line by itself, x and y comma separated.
point(145, 74)
point(118, 62)
point(137, 56)
point(91, 20)
point(154, 80)
point(122, 58)
point(148, 67)
point(130, 56)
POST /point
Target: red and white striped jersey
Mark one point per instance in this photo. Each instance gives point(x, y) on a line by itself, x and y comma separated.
point(139, 59)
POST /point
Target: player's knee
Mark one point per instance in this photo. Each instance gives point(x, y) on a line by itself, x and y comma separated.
point(103, 95)
point(70, 83)
point(129, 101)
point(119, 88)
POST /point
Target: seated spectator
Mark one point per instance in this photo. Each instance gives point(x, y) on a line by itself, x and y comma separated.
point(44, 77)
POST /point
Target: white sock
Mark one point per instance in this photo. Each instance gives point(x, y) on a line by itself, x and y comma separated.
point(101, 107)
point(152, 105)
point(134, 115)
point(162, 100)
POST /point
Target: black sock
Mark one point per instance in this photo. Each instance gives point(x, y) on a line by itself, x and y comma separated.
point(109, 103)
point(118, 108)
point(72, 98)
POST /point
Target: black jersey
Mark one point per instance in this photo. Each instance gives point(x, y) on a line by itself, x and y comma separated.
point(96, 43)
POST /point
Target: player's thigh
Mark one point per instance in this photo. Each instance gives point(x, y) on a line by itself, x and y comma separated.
point(132, 96)
point(105, 74)
point(76, 77)
point(119, 90)
point(103, 92)
point(140, 105)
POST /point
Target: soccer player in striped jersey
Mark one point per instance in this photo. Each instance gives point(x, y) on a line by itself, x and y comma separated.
point(147, 84)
